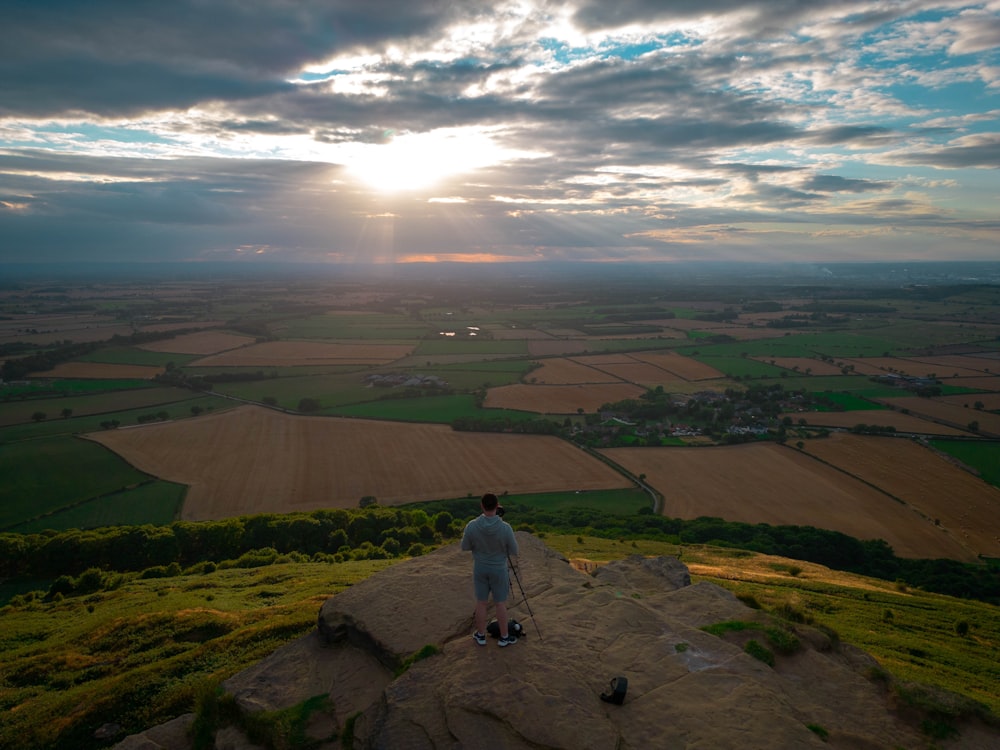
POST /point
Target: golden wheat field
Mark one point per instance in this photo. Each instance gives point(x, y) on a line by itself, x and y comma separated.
point(965, 505)
point(776, 484)
point(559, 399)
point(256, 460)
point(881, 417)
point(948, 412)
point(564, 371)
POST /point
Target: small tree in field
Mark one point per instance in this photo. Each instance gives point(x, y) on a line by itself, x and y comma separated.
point(367, 501)
point(39, 416)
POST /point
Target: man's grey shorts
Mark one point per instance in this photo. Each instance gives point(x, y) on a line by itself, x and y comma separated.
point(491, 579)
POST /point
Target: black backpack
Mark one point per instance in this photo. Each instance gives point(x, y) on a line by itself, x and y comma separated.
point(513, 628)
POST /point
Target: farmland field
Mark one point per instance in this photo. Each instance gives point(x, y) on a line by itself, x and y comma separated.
point(254, 460)
point(95, 472)
point(14, 412)
point(966, 507)
point(99, 371)
point(204, 342)
point(560, 399)
point(989, 424)
point(881, 417)
point(275, 353)
point(771, 483)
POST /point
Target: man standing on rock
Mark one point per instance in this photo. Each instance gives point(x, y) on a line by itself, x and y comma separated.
point(491, 541)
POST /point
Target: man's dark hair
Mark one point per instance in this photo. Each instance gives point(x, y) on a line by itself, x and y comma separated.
point(490, 501)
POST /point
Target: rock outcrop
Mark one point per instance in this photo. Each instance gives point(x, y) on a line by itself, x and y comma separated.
point(637, 618)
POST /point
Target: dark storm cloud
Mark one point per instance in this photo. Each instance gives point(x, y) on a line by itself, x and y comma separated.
point(113, 57)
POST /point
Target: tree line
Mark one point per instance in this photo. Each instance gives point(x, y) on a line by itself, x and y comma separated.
point(372, 533)
point(379, 533)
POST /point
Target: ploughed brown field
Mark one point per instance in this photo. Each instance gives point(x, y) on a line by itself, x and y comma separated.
point(255, 460)
point(776, 484)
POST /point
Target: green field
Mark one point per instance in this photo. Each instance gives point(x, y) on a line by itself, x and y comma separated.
point(46, 475)
point(68, 387)
point(367, 326)
point(982, 455)
point(130, 355)
point(155, 502)
point(846, 402)
point(14, 412)
point(56, 425)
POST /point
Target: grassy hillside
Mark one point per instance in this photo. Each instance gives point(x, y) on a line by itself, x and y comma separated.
point(138, 650)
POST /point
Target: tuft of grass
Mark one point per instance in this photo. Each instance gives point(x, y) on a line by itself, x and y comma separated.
point(818, 731)
point(759, 652)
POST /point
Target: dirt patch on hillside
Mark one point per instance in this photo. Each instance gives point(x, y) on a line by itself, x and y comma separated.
point(254, 460)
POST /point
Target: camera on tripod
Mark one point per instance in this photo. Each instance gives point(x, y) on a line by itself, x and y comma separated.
point(501, 510)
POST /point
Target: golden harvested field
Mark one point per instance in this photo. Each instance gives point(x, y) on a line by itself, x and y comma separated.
point(186, 324)
point(98, 371)
point(640, 372)
point(815, 366)
point(290, 353)
point(776, 484)
point(972, 364)
point(967, 507)
point(932, 408)
point(990, 401)
point(204, 342)
point(560, 399)
point(882, 417)
point(255, 460)
point(568, 372)
point(681, 366)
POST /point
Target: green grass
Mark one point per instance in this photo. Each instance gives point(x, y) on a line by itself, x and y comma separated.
point(330, 389)
point(140, 653)
point(984, 456)
point(740, 367)
point(156, 502)
point(81, 404)
point(622, 501)
point(846, 401)
point(67, 387)
point(45, 475)
point(130, 355)
point(55, 425)
point(366, 326)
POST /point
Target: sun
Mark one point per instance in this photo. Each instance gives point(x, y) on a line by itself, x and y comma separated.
point(418, 161)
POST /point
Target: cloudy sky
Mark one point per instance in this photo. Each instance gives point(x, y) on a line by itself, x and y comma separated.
point(392, 130)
